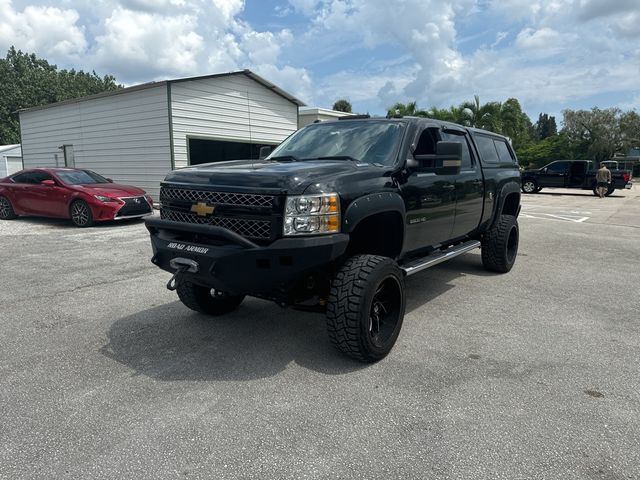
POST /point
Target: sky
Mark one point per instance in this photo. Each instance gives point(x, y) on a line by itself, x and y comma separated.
point(549, 54)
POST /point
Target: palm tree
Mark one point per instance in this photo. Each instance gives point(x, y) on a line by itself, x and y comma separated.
point(485, 116)
point(409, 110)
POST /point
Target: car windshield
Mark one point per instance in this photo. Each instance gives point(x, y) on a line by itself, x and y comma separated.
point(80, 177)
point(362, 141)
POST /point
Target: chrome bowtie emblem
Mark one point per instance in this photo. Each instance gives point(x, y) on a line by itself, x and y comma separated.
point(202, 209)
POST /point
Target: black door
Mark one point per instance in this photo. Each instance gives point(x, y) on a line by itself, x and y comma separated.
point(553, 175)
point(469, 189)
point(429, 199)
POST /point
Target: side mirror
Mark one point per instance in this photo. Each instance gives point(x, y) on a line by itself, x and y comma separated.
point(48, 183)
point(110, 180)
point(446, 161)
point(264, 152)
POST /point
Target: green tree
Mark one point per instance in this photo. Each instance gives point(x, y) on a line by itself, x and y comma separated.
point(596, 132)
point(409, 110)
point(556, 147)
point(545, 126)
point(342, 105)
point(485, 116)
point(629, 131)
point(514, 123)
point(27, 81)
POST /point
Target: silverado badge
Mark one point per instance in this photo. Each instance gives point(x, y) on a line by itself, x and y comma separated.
point(202, 209)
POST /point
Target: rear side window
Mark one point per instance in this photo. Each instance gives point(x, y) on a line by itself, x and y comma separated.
point(23, 177)
point(487, 149)
point(558, 167)
point(503, 152)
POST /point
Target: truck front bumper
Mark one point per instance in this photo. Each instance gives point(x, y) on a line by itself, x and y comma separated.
point(230, 263)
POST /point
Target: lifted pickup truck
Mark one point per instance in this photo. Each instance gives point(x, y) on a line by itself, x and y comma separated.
point(335, 218)
point(571, 174)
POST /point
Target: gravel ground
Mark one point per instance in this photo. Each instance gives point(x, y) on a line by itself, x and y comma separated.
point(532, 374)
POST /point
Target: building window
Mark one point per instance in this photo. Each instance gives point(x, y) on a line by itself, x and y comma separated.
point(207, 151)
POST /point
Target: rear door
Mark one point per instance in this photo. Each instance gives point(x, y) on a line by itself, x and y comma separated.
point(554, 175)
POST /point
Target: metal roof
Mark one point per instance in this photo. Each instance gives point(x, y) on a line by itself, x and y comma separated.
point(143, 86)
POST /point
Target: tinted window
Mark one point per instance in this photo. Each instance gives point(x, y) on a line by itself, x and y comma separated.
point(22, 177)
point(37, 177)
point(80, 177)
point(467, 162)
point(487, 149)
point(503, 151)
point(558, 167)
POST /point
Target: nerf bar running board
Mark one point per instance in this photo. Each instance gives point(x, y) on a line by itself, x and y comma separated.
point(434, 259)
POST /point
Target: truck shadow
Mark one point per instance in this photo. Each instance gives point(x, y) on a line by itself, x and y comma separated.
point(171, 343)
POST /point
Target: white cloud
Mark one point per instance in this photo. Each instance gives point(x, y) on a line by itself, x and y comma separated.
point(49, 31)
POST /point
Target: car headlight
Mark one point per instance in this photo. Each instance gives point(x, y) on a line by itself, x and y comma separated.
point(312, 214)
point(102, 198)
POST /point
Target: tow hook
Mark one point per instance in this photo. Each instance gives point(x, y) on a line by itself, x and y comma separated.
point(181, 265)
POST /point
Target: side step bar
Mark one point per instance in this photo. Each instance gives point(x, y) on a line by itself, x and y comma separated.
point(435, 258)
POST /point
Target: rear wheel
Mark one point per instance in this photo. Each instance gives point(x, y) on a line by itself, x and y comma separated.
point(207, 300)
point(500, 245)
point(610, 190)
point(81, 215)
point(6, 209)
point(366, 307)
point(529, 186)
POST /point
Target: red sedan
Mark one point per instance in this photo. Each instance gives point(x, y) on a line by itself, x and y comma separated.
point(81, 195)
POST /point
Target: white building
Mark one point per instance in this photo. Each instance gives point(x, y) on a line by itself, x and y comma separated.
point(10, 159)
point(136, 135)
point(311, 114)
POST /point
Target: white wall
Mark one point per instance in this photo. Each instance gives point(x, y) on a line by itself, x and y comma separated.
point(123, 136)
point(220, 108)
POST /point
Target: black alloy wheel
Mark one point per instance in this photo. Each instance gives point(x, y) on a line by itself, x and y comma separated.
point(365, 308)
point(6, 209)
point(81, 215)
point(385, 311)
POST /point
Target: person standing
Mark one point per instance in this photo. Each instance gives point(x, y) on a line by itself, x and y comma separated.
point(603, 179)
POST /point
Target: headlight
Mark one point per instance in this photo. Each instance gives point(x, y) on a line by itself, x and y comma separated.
point(102, 198)
point(312, 214)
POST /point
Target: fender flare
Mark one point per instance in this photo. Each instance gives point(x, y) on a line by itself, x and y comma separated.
point(507, 189)
point(372, 204)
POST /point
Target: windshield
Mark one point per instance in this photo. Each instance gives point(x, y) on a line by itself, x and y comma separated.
point(80, 177)
point(363, 141)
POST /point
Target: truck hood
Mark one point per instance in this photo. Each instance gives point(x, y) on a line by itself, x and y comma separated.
point(281, 177)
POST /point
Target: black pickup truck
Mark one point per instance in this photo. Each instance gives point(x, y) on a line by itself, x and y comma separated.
point(335, 218)
point(571, 174)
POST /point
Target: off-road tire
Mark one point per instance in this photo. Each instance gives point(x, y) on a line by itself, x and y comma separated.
point(205, 300)
point(352, 300)
point(530, 186)
point(6, 209)
point(80, 213)
point(609, 191)
point(500, 244)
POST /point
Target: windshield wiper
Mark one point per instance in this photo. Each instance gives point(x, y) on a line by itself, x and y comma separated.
point(284, 158)
point(339, 157)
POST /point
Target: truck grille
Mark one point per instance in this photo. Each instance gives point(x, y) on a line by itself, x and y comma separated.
point(221, 198)
point(248, 228)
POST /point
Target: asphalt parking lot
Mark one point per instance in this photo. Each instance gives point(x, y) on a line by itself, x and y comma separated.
point(532, 374)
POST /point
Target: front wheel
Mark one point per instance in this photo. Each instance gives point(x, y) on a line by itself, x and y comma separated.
point(207, 300)
point(366, 307)
point(529, 186)
point(6, 209)
point(500, 244)
point(81, 215)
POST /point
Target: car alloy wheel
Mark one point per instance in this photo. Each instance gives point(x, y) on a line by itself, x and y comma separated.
point(80, 214)
point(529, 186)
point(5, 208)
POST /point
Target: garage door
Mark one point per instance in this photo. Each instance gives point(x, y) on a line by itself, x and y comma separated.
point(205, 151)
point(14, 164)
